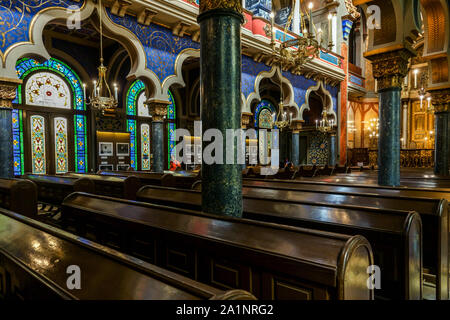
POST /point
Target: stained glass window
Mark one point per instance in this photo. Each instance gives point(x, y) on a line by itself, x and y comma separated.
point(52, 84)
point(61, 158)
point(145, 146)
point(264, 105)
point(131, 124)
point(17, 125)
point(136, 107)
point(26, 66)
point(38, 144)
point(81, 155)
point(265, 119)
point(171, 126)
point(48, 90)
point(135, 92)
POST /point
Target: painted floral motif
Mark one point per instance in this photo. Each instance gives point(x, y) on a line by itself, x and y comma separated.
point(264, 105)
point(160, 45)
point(318, 149)
point(61, 156)
point(17, 125)
point(81, 153)
point(48, 90)
point(27, 66)
point(145, 146)
point(38, 144)
point(131, 125)
point(16, 17)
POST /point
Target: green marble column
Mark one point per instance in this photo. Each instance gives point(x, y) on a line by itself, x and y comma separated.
point(333, 150)
point(389, 69)
point(7, 95)
point(6, 146)
point(158, 110)
point(441, 103)
point(220, 85)
point(295, 148)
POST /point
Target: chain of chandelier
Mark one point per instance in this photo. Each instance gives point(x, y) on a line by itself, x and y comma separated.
point(101, 97)
point(293, 54)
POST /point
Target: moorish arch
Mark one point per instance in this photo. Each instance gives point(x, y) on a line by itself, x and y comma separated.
point(326, 99)
point(36, 48)
point(275, 76)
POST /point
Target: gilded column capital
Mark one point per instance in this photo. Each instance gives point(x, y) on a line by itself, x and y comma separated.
point(441, 100)
point(296, 125)
point(7, 93)
point(157, 109)
point(389, 68)
point(245, 119)
point(207, 5)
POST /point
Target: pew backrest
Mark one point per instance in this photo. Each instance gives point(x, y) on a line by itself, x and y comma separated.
point(271, 261)
point(37, 262)
point(19, 195)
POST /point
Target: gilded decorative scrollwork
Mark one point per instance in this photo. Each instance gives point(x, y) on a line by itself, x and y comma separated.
point(7, 94)
point(206, 5)
point(352, 10)
point(391, 67)
point(441, 100)
point(246, 117)
point(158, 110)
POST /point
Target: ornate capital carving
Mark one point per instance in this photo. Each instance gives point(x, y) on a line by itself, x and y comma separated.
point(390, 68)
point(296, 125)
point(7, 94)
point(441, 100)
point(158, 110)
point(246, 117)
point(235, 5)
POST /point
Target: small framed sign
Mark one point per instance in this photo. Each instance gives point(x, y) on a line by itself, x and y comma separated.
point(123, 149)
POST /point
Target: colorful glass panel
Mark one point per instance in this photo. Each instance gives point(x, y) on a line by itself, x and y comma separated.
point(17, 125)
point(171, 108)
point(265, 119)
point(131, 125)
point(48, 90)
point(61, 157)
point(134, 92)
point(38, 145)
point(264, 104)
point(171, 141)
point(145, 146)
point(26, 66)
point(81, 156)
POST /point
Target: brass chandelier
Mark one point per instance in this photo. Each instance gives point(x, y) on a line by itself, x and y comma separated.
point(101, 96)
point(293, 54)
point(325, 125)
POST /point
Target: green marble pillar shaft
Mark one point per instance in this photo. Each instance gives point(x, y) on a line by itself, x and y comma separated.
point(333, 150)
point(389, 68)
point(441, 156)
point(389, 137)
point(6, 146)
point(220, 81)
point(295, 148)
point(158, 146)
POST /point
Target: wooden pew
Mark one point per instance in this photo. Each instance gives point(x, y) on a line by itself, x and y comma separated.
point(34, 261)
point(145, 178)
point(433, 205)
point(394, 235)
point(113, 186)
point(271, 261)
point(19, 195)
point(305, 171)
point(373, 180)
point(326, 170)
point(54, 189)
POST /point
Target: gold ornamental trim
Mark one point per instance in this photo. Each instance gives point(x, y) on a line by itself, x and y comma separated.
point(246, 117)
point(158, 110)
point(207, 5)
point(390, 68)
point(7, 94)
point(441, 100)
